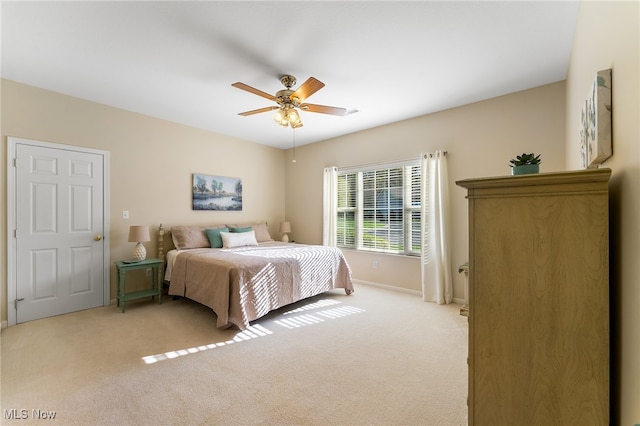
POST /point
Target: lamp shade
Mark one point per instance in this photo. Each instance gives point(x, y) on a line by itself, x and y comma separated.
point(285, 227)
point(139, 233)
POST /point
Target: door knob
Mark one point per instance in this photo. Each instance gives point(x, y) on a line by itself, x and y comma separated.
point(97, 237)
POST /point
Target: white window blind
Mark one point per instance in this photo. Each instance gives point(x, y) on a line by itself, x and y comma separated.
point(379, 208)
point(347, 199)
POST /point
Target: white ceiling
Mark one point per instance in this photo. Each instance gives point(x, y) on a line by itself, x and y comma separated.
point(390, 60)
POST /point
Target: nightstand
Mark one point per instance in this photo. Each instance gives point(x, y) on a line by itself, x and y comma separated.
point(156, 280)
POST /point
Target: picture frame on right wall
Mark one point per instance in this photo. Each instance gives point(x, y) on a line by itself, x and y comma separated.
point(595, 121)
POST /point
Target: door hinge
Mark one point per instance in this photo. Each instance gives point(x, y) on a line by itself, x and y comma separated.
point(15, 233)
point(18, 300)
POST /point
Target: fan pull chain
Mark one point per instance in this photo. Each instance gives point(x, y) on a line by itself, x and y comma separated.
point(294, 145)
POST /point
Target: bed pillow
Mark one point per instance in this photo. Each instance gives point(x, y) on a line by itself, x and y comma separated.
point(238, 239)
point(262, 232)
point(215, 240)
point(188, 237)
point(261, 229)
point(239, 230)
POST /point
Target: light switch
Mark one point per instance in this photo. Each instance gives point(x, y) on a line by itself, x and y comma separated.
point(125, 214)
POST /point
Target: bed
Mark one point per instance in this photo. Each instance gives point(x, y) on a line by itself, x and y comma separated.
point(242, 274)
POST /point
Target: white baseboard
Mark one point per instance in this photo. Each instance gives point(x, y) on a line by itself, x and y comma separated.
point(388, 287)
point(400, 289)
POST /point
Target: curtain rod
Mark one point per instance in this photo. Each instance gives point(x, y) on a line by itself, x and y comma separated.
point(382, 163)
point(431, 154)
point(386, 163)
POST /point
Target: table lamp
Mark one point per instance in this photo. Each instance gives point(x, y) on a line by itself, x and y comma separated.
point(285, 228)
point(138, 234)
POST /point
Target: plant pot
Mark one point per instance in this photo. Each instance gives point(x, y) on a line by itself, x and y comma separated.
point(526, 169)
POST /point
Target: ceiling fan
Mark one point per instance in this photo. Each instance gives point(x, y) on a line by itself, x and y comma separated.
point(288, 100)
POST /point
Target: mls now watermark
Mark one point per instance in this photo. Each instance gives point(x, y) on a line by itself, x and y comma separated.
point(24, 414)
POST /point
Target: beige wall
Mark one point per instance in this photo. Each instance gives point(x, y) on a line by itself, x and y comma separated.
point(608, 36)
point(152, 161)
point(480, 139)
point(151, 165)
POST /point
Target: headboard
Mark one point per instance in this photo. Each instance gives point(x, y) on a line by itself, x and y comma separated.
point(261, 230)
point(160, 243)
point(164, 242)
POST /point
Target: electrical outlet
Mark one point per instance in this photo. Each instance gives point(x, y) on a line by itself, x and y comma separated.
point(375, 264)
point(125, 214)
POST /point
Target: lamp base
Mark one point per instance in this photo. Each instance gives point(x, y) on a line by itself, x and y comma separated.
point(139, 252)
point(285, 238)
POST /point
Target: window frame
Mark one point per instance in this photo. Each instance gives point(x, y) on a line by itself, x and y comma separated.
point(410, 209)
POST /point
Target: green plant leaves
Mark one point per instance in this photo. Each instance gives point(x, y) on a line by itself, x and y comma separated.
point(525, 159)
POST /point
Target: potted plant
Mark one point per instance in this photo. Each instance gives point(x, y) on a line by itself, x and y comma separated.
point(525, 164)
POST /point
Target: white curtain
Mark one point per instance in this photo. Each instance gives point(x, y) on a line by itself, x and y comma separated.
point(436, 264)
point(330, 206)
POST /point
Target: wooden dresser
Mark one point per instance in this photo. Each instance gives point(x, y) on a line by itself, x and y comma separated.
point(539, 299)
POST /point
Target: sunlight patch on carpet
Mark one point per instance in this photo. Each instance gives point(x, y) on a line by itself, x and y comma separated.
point(252, 332)
point(310, 319)
point(295, 318)
point(315, 305)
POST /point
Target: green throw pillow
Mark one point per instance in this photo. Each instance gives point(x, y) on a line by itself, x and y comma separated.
point(214, 236)
point(238, 230)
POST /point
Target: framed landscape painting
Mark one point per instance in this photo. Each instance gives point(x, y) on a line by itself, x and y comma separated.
point(596, 122)
point(216, 192)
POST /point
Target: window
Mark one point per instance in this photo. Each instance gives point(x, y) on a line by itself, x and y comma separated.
point(378, 208)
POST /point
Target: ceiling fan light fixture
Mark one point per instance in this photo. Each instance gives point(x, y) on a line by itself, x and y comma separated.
point(289, 100)
point(286, 116)
point(294, 118)
point(279, 116)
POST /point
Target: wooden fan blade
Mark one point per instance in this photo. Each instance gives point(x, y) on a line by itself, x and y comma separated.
point(254, 91)
point(307, 89)
point(258, 111)
point(324, 109)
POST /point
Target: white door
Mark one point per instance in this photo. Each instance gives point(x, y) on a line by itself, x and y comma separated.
point(59, 231)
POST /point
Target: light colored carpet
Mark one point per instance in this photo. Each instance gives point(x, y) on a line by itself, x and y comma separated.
point(377, 357)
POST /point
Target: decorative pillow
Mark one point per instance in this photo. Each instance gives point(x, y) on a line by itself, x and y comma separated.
point(238, 239)
point(261, 229)
point(239, 230)
point(188, 237)
point(215, 240)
